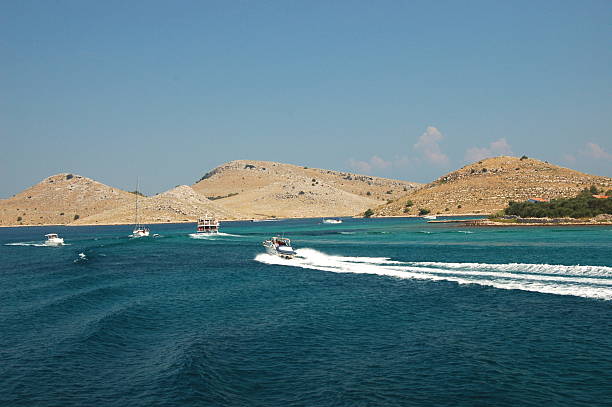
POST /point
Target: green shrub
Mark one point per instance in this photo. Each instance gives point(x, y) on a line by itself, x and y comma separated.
point(524, 157)
point(368, 213)
point(76, 217)
point(409, 203)
point(581, 206)
point(19, 218)
point(423, 211)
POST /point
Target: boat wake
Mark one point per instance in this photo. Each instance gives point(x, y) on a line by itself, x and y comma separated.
point(36, 244)
point(211, 235)
point(582, 281)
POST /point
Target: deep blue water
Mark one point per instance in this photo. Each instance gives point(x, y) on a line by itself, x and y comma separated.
point(381, 312)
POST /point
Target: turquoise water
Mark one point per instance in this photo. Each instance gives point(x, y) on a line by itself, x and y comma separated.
point(380, 312)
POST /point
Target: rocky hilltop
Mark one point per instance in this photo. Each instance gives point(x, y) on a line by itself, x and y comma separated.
point(180, 204)
point(270, 189)
point(486, 186)
point(60, 199)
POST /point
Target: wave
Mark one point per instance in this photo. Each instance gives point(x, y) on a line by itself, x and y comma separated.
point(580, 280)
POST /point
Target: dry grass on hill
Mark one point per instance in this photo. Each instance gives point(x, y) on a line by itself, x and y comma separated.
point(486, 187)
point(266, 189)
point(59, 199)
point(181, 204)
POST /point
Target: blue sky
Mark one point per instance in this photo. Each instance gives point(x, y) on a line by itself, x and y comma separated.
point(406, 89)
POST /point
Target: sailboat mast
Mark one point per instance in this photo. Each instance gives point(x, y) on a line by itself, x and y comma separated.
point(137, 186)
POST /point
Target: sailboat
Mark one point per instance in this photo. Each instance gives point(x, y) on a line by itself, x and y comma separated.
point(139, 230)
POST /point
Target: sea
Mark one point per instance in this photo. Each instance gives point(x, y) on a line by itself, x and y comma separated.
point(373, 312)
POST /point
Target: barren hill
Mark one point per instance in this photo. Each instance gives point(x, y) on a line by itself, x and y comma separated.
point(266, 189)
point(59, 199)
point(486, 187)
point(180, 204)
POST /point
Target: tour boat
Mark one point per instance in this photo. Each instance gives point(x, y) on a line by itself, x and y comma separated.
point(139, 230)
point(332, 221)
point(54, 240)
point(429, 217)
point(208, 225)
point(279, 246)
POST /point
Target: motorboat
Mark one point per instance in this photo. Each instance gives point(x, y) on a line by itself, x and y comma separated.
point(429, 217)
point(54, 240)
point(208, 225)
point(279, 246)
point(332, 221)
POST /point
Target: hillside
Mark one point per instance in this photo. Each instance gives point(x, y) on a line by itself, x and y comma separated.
point(60, 198)
point(180, 204)
point(486, 187)
point(267, 189)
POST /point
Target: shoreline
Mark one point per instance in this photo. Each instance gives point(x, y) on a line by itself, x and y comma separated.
point(463, 222)
point(493, 224)
point(255, 220)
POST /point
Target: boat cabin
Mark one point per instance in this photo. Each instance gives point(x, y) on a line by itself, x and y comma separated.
point(208, 225)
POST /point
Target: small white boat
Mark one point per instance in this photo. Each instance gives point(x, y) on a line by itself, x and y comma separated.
point(54, 240)
point(429, 217)
point(279, 246)
point(207, 225)
point(139, 230)
point(333, 221)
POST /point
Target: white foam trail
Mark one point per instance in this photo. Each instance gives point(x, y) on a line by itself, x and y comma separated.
point(578, 270)
point(211, 235)
point(582, 281)
point(36, 244)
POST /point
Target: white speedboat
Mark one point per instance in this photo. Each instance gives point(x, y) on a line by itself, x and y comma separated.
point(54, 240)
point(279, 246)
point(333, 221)
point(430, 217)
point(207, 225)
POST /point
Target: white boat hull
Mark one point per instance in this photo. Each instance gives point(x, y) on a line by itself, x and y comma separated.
point(332, 221)
point(57, 241)
point(286, 252)
point(140, 233)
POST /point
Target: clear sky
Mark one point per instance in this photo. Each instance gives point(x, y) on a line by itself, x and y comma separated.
point(167, 90)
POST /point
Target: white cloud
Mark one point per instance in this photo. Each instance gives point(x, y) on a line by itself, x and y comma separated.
point(373, 164)
point(379, 163)
point(497, 147)
point(570, 158)
point(428, 145)
point(594, 151)
point(360, 166)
